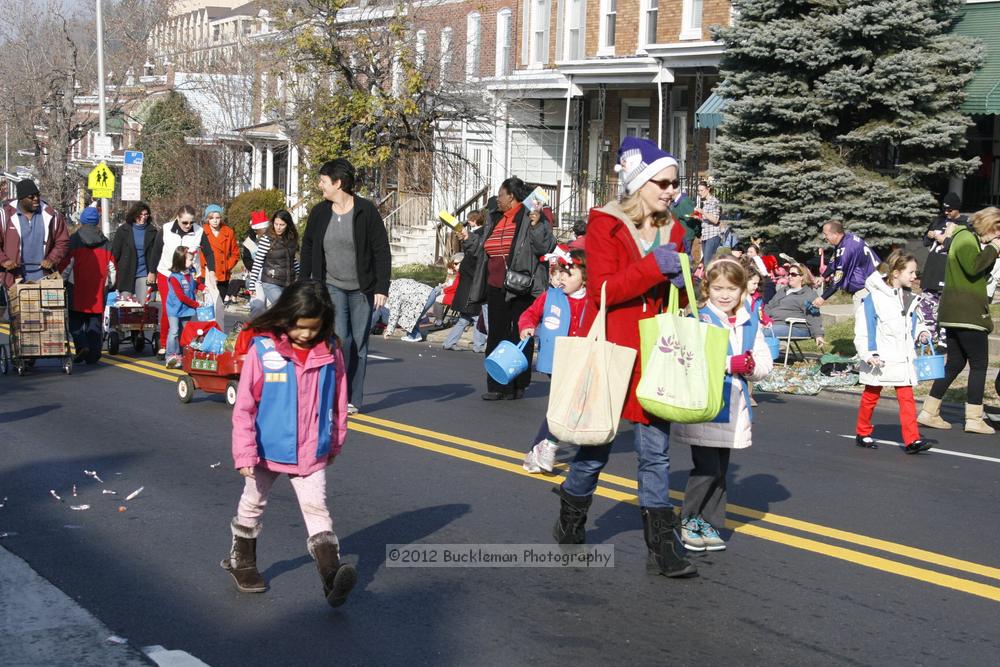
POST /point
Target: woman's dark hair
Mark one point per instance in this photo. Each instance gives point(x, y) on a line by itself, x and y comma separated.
point(178, 263)
point(705, 184)
point(185, 209)
point(516, 187)
point(135, 210)
point(340, 170)
point(291, 235)
point(580, 228)
point(300, 300)
point(579, 256)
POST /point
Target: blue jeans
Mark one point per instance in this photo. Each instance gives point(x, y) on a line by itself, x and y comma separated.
point(265, 296)
point(780, 329)
point(173, 337)
point(351, 322)
point(652, 445)
point(708, 249)
point(431, 298)
point(455, 333)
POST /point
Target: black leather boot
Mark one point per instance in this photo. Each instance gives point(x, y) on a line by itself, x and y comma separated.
point(338, 578)
point(242, 560)
point(571, 525)
point(658, 526)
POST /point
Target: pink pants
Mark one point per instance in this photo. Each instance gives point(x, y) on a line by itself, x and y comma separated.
point(310, 490)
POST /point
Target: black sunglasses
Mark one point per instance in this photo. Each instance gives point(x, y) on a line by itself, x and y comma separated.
point(666, 183)
point(794, 275)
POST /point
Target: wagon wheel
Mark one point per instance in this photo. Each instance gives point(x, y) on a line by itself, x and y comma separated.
point(114, 342)
point(138, 342)
point(4, 360)
point(20, 366)
point(231, 388)
point(185, 389)
point(68, 365)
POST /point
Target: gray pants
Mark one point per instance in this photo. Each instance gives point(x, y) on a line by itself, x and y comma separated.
point(705, 495)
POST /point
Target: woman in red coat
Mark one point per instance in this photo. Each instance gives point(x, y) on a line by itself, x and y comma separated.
point(631, 251)
point(89, 267)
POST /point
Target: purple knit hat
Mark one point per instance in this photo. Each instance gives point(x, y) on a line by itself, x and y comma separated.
point(638, 161)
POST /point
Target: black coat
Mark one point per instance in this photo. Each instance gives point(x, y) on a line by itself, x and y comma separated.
point(371, 246)
point(126, 259)
point(530, 243)
point(466, 275)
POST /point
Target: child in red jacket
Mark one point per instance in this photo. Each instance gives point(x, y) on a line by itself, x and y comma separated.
point(90, 268)
point(559, 311)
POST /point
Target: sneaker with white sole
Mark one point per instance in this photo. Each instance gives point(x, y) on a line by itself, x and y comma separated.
point(690, 536)
point(410, 338)
point(530, 463)
point(352, 409)
point(710, 536)
point(545, 454)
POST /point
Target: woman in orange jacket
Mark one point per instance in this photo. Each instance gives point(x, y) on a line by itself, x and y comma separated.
point(223, 241)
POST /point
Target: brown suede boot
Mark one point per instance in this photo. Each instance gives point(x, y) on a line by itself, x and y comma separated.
point(242, 561)
point(974, 422)
point(338, 578)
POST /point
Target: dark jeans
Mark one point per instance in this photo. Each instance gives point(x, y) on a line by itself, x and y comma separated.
point(88, 333)
point(352, 315)
point(705, 495)
point(709, 248)
point(965, 346)
point(503, 316)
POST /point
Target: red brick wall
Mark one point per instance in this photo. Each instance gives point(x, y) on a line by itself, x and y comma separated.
point(434, 19)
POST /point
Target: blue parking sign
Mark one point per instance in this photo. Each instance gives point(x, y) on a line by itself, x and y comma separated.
point(133, 157)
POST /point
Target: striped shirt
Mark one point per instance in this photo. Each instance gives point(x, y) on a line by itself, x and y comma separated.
point(710, 206)
point(502, 237)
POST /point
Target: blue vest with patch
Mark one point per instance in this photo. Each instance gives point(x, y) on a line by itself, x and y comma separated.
point(277, 412)
point(175, 306)
point(750, 328)
point(555, 323)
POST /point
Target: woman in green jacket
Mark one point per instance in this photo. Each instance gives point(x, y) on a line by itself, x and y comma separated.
point(965, 314)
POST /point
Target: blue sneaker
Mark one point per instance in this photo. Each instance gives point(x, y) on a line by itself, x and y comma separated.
point(690, 534)
point(710, 536)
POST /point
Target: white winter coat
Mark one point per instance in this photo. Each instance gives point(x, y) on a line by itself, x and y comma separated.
point(736, 433)
point(895, 338)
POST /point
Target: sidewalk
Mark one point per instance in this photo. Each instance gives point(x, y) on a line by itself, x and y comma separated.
point(41, 625)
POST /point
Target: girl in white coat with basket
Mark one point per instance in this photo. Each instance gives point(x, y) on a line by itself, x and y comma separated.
point(749, 360)
point(887, 328)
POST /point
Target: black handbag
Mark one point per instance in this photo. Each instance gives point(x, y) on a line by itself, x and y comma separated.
point(517, 282)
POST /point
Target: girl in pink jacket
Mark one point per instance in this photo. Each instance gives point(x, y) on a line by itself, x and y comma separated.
point(291, 417)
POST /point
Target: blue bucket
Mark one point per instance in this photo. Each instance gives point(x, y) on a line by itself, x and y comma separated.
point(774, 345)
point(928, 366)
point(507, 361)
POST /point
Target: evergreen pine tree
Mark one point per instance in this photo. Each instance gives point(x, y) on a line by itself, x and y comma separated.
point(842, 109)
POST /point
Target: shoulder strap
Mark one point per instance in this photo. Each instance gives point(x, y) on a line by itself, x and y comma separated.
point(871, 318)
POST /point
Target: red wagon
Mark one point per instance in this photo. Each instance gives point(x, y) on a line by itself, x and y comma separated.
point(212, 373)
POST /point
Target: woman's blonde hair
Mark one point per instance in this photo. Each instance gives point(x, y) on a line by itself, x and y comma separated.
point(728, 269)
point(896, 261)
point(985, 221)
point(634, 209)
point(807, 276)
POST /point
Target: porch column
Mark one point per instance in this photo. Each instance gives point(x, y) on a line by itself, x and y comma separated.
point(255, 167)
point(269, 178)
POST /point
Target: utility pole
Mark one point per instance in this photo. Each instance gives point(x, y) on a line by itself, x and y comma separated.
point(105, 217)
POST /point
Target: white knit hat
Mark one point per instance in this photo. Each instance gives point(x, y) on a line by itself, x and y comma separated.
point(638, 161)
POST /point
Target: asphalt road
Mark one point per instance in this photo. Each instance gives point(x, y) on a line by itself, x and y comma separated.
point(840, 555)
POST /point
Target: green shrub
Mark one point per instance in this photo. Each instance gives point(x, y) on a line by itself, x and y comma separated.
point(238, 210)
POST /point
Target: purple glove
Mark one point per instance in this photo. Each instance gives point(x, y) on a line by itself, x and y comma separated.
point(669, 263)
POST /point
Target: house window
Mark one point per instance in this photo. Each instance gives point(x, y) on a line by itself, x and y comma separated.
point(421, 48)
point(691, 19)
point(472, 46)
point(650, 16)
point(576, 19)
point(446, 54)
point(504, 34)
point(539, 32)
point(635, 118)
point(606, 33)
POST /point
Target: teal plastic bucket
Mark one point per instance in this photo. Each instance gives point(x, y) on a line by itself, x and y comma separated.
point(507, 361)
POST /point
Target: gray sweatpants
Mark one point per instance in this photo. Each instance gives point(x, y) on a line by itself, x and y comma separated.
point(705, 495)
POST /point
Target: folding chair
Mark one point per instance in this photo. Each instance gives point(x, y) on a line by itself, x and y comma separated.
point(792, 339)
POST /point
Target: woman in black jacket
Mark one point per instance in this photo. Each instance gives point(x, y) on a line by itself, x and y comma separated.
point(136, 270)
point(345, 245)
point(509, 275)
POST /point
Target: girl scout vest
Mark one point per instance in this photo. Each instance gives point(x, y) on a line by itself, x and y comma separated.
point(175, 306)
point(277, 413)
point(749, 336)
point(555, 323)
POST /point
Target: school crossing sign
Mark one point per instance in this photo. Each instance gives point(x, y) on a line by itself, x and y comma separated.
point(101, 182)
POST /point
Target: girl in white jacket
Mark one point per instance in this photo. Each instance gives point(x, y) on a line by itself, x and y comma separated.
point(727, 306)
point(887, 328)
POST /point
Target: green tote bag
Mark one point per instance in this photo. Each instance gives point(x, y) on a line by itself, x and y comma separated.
point(683, 361)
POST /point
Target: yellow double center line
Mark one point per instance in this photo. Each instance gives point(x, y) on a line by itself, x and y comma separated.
point(754, 522)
